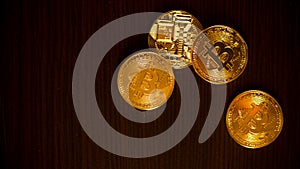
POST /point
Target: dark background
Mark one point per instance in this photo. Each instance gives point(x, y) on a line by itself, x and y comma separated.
point(40, 44)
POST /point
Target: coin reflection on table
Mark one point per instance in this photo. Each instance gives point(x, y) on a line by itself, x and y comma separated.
point(173, 34)
point(254, 119)
point(146, 80)
point(221, 54)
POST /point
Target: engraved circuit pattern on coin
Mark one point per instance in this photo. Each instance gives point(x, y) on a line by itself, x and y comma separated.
point(173, 34)
point(254, 119)
point(146, 80)
point(150, 88)
point(221, 54)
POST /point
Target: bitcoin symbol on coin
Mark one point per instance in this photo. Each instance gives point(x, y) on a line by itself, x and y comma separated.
point(254, 119)
point(150, 88)
point(146, 80)
point(223, 57)
point(219, 47)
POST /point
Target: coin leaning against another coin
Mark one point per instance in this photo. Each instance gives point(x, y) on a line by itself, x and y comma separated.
point(221, 54)
point(173, 34)
point(254, 119)
point(146, 80)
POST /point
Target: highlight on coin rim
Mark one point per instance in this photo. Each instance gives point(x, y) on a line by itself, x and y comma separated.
point(273, 100)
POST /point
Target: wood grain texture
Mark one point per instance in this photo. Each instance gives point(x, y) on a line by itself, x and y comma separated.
point(41, 41)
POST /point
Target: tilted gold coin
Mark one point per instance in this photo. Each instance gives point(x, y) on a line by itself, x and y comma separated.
point(146, 80)
point(150, 88)
point(254, 119)
point(173, 34)
point(221, 54)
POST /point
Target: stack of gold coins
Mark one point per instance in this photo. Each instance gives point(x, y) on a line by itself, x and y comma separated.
point(219, 55)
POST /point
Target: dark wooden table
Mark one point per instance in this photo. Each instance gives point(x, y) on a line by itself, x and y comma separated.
point(41, 41)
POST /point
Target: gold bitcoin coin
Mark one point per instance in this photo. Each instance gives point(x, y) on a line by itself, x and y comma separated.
point(150, 88)
point(254, 119)
point(146, 80)
point(173, 34)
point(221, 54)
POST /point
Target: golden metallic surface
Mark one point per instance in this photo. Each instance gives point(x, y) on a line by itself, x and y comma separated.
point(150, 88)
point(254, 119)
point(146, 80)
point(221, 54)
point(173, 34)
